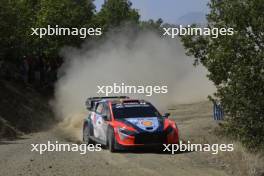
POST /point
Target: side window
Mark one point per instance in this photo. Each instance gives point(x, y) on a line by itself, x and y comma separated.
point(107, 112)
point(99, 109)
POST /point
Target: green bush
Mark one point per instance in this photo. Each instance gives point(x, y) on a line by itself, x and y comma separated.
point(236, 65)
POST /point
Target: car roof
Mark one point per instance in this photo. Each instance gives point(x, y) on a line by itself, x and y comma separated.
point(124, 101)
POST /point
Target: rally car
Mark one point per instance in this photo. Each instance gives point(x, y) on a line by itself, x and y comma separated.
point(121, 122)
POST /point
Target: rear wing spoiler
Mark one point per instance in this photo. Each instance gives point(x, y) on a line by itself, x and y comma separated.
point(91, 102)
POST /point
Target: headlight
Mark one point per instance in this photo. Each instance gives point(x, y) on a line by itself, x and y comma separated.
point(126, 132)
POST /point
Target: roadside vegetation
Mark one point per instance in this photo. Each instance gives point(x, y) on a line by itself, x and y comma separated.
point(236, 66)
point(22, 110)
point(196, 125)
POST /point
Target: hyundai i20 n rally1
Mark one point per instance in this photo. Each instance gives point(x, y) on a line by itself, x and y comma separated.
point(120, 122)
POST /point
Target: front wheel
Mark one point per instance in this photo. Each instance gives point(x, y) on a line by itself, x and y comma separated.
point(111, 141)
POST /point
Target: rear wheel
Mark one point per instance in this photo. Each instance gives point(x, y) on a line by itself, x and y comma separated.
point(111, 140)
point(86, 134)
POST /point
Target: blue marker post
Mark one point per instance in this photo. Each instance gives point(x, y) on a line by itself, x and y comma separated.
point(218, 112)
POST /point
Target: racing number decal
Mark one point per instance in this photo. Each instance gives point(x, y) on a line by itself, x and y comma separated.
point(100, 126)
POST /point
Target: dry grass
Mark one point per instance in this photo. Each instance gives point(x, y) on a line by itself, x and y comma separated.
point(24, 108)
point(242, 163)
point(196, 125)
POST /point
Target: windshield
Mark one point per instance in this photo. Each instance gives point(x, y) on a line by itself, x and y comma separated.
point(134, 111)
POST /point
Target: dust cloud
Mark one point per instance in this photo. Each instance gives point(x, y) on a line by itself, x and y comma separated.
point(143, 58)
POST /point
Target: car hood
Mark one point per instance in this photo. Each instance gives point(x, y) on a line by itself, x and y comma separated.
point(144, 124)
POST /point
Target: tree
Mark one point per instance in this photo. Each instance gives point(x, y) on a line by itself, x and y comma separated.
point(5, 32)
point(65, 14)
point(152, 25)
point(16, 18)
point(115, 12)
point(236, 65)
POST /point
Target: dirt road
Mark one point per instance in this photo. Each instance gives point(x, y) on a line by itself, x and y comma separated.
point(17, 158)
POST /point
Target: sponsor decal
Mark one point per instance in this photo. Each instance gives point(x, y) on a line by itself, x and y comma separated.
point(147, 123)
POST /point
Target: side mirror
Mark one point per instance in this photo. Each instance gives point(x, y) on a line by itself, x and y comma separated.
point(88, 105)
point(104, 117)
point(166, 115)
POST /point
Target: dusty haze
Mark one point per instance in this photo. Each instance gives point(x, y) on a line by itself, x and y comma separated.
point(142, 59)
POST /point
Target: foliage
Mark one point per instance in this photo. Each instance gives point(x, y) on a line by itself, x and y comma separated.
point(236, 65)
point(18, 17)
point(63, 13)
point(115, 12)
point(152, 25)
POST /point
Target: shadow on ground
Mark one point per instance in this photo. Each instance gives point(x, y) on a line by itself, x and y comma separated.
point(146, 150)
point(11, 141)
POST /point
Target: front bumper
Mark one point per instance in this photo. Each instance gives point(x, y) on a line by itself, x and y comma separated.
point(151, 138)
point(168, 136)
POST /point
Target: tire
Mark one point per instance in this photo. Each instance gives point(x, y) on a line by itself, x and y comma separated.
point(111, 140)
point(86, 134)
